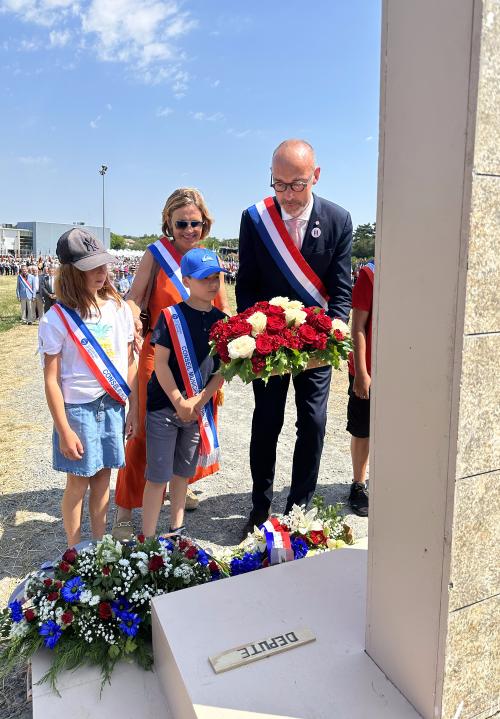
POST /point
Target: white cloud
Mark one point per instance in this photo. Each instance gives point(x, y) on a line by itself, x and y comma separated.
point(140, 34)
point(238, 133)
point(109, 106)
point(94, 123)
point(369, 138)
point(59, 38)
point(28, 45)
point(214, 117)
point(215, 83)
point(35, 160)
point(164, 111)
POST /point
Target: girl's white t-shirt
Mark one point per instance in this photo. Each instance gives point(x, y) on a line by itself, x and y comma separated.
point(113, 329)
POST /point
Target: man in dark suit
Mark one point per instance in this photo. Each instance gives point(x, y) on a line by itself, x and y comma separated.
point(47, 288)
point(322, 232)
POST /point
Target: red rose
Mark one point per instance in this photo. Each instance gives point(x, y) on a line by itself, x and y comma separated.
point(183, 545)
point(258, 363)
point(239, 328)
point(275, 310)
point(67, 617)
point(307, 334)
point(106, 571)
point(141, 538)
point(70, 555)
point(155, 563)
point(320, 341)
point(263, 344)
point(262, 306)
point(58, 584)
point(104, 610)
point(320, 321)
point(265, 562)
point(53, 596)
point(290, 339)
point(338, 335)
point(275, 323)
point(29, 615)
point(65, 567)
point(47, 582)
point(191, 552)
point(213, 566)
point(317, 537)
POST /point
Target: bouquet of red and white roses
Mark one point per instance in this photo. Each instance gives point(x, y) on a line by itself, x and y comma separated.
point(278, 337)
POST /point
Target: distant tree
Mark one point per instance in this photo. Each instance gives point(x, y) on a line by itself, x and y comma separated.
point(363, 240)
point(117, 242)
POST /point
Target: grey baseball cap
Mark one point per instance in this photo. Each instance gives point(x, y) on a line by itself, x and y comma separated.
point(80, 248)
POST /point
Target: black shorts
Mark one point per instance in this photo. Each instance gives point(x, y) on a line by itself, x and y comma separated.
point(358, 414)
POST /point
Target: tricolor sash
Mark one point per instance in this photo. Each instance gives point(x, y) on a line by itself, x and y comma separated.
point(279, 548)
point(93, 354)
point(274, 234)
point(170, 262)
point(193, 383)
point(370, 266)
point(28, 286)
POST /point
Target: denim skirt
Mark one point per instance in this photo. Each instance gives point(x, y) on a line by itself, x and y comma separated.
point(100, 427)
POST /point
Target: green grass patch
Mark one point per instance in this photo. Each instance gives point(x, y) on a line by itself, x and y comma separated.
point(9, 306)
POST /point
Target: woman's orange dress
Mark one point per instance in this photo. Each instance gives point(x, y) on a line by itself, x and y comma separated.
point(130, 481)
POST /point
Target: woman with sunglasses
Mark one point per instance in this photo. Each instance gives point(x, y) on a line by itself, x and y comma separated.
point(185, 223)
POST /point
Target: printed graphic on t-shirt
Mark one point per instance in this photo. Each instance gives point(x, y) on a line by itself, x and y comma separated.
point(102, 332)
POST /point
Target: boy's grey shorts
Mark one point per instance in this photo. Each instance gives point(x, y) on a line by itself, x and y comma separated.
point(171, 446)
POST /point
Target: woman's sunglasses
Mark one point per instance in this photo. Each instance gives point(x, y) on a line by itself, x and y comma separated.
point(183, 224)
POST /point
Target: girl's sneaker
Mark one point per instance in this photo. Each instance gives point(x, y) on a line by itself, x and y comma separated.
point(358, 499)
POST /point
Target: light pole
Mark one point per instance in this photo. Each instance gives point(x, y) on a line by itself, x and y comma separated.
point(102, 171)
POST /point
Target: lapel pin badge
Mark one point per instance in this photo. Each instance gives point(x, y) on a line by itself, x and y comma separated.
point(315, 232)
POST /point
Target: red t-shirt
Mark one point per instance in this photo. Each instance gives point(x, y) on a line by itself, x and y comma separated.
point(362, 299)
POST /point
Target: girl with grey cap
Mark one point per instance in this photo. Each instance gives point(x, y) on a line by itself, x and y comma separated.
point(86, 346)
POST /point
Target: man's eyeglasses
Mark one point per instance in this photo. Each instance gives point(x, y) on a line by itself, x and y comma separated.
point(295, 186)
point(183, 224)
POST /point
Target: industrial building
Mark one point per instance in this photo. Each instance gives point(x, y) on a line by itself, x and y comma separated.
point(40, 238)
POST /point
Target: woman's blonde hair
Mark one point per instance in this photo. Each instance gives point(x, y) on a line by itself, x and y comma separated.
point(71, 290)
point(180, 198)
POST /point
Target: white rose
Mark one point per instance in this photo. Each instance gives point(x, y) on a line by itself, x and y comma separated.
point(339, 325)
point(258, 321)
point(280, 302)
point(295, 317)
point(295, 305)
point(241, 347)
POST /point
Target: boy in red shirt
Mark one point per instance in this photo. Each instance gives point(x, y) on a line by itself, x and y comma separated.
point(358, 408)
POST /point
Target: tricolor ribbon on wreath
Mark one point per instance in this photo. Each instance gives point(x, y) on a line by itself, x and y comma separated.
point(170, 262)
point(275, 236)
point(191, 375)
point(279, 548)
point(93, 354)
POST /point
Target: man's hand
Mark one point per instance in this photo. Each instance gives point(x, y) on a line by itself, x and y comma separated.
point(70, 445)
point(132, 423)
point(138, 338)
point(361, 386)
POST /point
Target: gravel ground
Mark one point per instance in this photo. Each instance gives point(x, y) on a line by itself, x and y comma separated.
point(31, 528)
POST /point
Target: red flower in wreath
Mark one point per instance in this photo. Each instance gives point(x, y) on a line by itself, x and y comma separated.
point(275, 323)
point(104, 610)
point(264, 344)
point(155, 563)
point(317, 537)
point(307, 334)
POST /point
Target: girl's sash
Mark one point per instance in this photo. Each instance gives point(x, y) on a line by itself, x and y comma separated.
point(93, 354)
point(273, 233)
point(193, 383)
point(170, 262)
point(28, 286)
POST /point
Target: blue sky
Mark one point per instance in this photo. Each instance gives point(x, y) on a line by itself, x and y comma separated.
point(168, 94)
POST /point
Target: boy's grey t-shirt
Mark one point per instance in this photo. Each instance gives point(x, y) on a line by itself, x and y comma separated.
point(199, 324)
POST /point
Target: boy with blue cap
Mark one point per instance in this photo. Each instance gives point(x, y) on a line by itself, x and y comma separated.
point(180, 428)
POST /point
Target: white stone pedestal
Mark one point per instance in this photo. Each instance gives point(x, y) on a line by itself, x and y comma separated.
point(330, 678)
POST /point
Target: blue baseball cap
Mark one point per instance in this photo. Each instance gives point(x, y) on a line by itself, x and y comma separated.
point(200, 263)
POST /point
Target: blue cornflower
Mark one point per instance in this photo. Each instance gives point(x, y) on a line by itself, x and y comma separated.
point(120, 606)
point(16, 611)
point(52, 632)
point(247, 563)
point(299, 547)
point(203, 558)
point(129, 624)
point(72, 589)
point(168, 544)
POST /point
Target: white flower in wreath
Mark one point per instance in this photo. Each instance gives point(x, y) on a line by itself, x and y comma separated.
point(256, 541)
point(280, 302)
point(19, 629)
point(304, 522)
point(339, 325)
point(241, 347)
point(295, 305)
point(258, 321)
point(295, 317)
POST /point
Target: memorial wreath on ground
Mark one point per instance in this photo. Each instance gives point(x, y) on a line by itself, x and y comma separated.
point(93, 605)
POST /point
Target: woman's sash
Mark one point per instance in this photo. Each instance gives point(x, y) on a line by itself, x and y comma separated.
point(170, 262)
point(186, 357)
point(274, 234)
point(93, 354)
